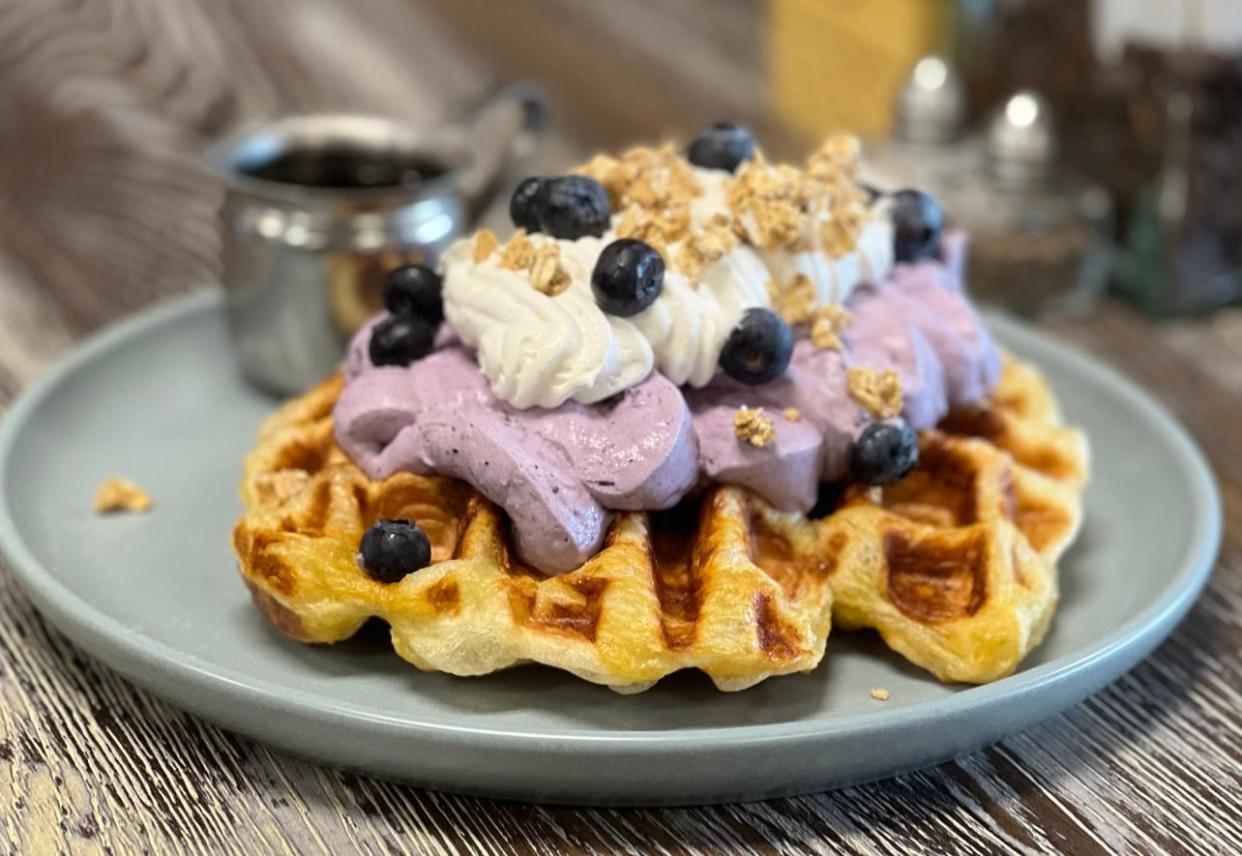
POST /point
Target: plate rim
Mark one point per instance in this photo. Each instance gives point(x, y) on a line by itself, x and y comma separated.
point(1136, 637)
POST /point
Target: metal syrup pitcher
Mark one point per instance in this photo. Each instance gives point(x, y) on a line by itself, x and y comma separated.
point(318, 208)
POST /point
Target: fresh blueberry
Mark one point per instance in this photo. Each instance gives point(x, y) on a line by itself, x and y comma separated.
point(523, 205)
point(628, 277)
point(393, 548)
point(884, 453)
point(415, 290)
point(399, 340)
point(722, 146)
point(759, 347)
point(918, 224)
point(572, 207)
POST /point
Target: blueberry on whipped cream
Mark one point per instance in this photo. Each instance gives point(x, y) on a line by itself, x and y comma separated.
point(627, 278)
point(523, 204)
point(758, 349)
point(415, 290)
point(722, 146)
point(571, 207)
point(884, 454)
point(392, 549)
point(659, 322)
point(918, 225)
point(399, 340)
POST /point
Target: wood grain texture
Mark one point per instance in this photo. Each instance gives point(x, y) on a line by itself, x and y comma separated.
point(104, 209)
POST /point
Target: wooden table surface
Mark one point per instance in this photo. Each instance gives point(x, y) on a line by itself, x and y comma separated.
point(104, 210)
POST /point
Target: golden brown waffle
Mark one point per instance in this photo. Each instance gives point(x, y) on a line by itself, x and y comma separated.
point(955, 567)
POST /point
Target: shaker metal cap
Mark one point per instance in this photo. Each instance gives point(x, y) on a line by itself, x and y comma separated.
point(1022, 141)
point(931, 105)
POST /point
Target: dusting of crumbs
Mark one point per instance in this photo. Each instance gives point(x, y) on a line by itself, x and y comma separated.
point(118, 494)
point(540, 263)
point(703, 247)
point(879, 392)
point(780, 207)
point(652, 188)
point(753, 426)
point(827, 324)
point(773, 206)
point(879, 694)
point(518, 253)
point(485, 243)
point(546, 273)
point(795, 301)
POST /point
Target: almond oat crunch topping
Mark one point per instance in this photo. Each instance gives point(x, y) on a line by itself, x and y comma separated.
point(541, 262)
point(771, 204)
point(780, 207)
point(518, 253)
point(795, 301)
point(485, 243)
point(118, 494)
point(703, 247)
point(753, 426)
point(653, 189)
point(827, 324)
point(652, 178)
point(546, 273)
point(879, 392)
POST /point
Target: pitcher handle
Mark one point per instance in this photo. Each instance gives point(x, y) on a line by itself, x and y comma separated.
point(501, 130)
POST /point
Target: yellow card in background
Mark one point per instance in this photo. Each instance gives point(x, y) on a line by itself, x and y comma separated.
point(837, 64)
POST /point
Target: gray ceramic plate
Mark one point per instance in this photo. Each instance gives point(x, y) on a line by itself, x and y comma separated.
point(158, 598)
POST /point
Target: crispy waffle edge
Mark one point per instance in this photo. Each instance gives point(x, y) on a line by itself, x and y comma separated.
point(955, 567)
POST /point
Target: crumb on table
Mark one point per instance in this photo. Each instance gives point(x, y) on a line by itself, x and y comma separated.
point(118, 494)
point(879, 694)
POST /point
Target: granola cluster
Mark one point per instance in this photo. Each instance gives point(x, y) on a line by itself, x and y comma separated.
point(653, 189)
point(649, 178)
point(753, 426)
point(118, 494)
point(797, 303)
point(827, 323)
point(540, 262)
point(485, 243)
point(878, 392)
point(794, 300)
point(781, 207)
point(772, 206)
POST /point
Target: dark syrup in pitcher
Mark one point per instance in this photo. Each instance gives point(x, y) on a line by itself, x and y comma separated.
point(344, 168)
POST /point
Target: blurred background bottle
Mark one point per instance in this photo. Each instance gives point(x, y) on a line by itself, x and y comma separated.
point(1085, 145)
point(1139, 98)
point(1039, 230)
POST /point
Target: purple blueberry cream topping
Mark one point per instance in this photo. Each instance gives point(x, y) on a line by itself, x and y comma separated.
point(658, 322)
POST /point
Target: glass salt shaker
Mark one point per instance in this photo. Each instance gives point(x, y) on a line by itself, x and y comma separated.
point(929, 149)
point(1037, 229)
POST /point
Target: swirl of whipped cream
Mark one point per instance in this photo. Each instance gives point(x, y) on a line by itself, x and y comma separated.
point(541, 350)
point(536, 350)
point(835, 279)
point(688, 325)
